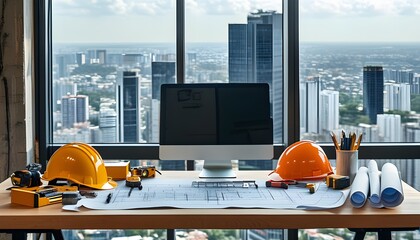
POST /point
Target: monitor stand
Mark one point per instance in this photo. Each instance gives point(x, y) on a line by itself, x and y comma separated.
point(217, 169)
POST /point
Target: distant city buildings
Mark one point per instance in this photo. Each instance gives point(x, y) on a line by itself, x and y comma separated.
point(373, 92)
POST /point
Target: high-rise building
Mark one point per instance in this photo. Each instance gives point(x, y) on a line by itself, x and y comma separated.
point(101, 56)
point(415, 86)
point(74, 109)
point(129, 106)
point(389, 126)
point(310, 104)
point(329, 111)
point(162, 72)
point(80, 58)
point(373, 92)
point(108, 121)
point(255, 56)
point(397, 96)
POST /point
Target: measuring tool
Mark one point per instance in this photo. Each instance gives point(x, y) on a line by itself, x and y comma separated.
point(133, 182)
point(148, 171)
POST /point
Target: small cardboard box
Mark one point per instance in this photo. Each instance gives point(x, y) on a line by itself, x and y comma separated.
point(117, 170)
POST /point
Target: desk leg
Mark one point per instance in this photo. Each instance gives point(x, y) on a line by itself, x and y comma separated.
point(18, 235)
point(291, 234)
point(170, 234)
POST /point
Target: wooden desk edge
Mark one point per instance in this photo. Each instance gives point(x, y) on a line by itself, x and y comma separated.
point(52, 217)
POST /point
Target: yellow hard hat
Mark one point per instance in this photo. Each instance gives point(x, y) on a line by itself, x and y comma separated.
point(79, 163)
point(303, 160)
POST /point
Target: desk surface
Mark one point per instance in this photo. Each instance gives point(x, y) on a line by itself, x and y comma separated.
point(53, 217)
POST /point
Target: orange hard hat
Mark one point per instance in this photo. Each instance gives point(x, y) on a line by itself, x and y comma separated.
point(303, 160)
point(79, 163)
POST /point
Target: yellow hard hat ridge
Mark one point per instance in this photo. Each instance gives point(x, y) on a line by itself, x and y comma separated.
point(303, 160)
point(79, 163)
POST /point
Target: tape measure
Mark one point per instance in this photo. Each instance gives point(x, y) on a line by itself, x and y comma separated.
point(145, 171)
point(29, 177)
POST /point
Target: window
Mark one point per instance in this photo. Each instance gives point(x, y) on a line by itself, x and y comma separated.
point(122, 121)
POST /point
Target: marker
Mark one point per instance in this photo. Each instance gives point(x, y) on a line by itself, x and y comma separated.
point(276, 184)
point(108, 198)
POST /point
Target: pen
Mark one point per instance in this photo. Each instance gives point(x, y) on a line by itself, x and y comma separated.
point(108, 198)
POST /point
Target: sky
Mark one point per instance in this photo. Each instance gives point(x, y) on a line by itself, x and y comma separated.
point(207, 20)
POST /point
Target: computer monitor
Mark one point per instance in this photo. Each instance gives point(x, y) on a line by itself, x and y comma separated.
point(217, 123)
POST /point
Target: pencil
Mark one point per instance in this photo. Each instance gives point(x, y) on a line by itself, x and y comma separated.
point(359, 140)
point(337, 147)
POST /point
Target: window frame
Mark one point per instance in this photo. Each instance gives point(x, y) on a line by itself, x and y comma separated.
point(43, 93)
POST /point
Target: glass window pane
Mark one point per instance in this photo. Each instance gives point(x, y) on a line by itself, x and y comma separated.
point(109, 59)
point(359, 69)
point(237, 42)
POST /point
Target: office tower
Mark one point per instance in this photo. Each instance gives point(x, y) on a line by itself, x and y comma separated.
point(400, 76)
point(329, 111)
point(370, 132)
point(80, 58)
point(101, 56)
point(389, 127)
point(309, 105)
point(373, 88)
point(74, 109)
point(62, 64)
point(162, 72)
point(415, 87)
point(255, 55)
point(91, 56)
point(108, 120)
point(62, 88)
point(129, 106)
point(397, 96)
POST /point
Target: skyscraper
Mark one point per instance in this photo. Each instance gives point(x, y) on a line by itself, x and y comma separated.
point(162, 72)
point(310, 105)
point(373, 92)
point(397, 96)
point(129, 106)
point(329, 111)
point(255, 56)
point(74, 109)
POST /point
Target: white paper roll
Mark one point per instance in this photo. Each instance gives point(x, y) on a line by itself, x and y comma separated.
point(360, 188)
point(391, 187)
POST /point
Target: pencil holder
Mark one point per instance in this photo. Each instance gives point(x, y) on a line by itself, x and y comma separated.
point(347, 163)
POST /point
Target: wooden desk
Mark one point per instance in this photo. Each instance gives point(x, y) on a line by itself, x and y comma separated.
point(52, 217)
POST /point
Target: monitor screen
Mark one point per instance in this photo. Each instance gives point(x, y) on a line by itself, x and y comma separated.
point(216, 123)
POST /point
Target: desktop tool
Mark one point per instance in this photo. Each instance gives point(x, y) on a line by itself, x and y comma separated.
point(216, 122)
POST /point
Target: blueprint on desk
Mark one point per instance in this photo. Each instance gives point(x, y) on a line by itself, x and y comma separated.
point(182, 193)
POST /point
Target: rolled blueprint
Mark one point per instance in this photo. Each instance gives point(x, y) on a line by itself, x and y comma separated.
point(360, 188)
point(374, 184)
point(391, 188)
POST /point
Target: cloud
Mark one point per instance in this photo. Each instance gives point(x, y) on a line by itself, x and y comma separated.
point(112, 7)
point(230, 7)
point(350, 8)
point(149, 7)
